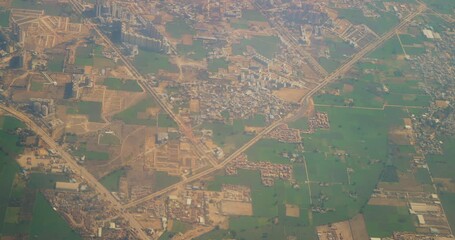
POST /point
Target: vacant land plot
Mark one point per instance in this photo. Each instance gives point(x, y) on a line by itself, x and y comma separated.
point(292, 210)
point(237, 208)
point(91, 109)
point(122, 85)
point(290, 94)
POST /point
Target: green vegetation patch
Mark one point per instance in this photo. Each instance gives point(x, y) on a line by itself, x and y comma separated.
point(12, 215)
point(267, 46)
point(178, 27)
point(36, 86)
point(197, 51)
point(253, 15)
point(109, 139)
point(162, 180)
point(442, 166)
point(137, 115)
point(448, 203)
point(442, 6)
point(50, 8)
point(91, 155)
point(56, 63)
point(390, 50)
point(151, 62)
point(122, 85)
point(177, 227)
point(45, 180)
point(111, 181)
point(91, 109)
point(47, 224)
point(215, 64)
point(228, 137)
point(379, 25)
point(422, 176)
point(382, 221)
point(91, 55)
point(4, 17)
point(164, 120)
point(270, 150)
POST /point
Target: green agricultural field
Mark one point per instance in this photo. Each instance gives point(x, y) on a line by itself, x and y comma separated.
point(36, 86)
point(422, 176)
point(228, 137)
point(270, 150)
point(164, 120)
point(53, 8)
point(448, 203)
point(122, 85)
point(416, 51)
point(150, 62)
point(268, 203)
point(56, 63)
point(177, 227)
point(162, 180)
point(379, 25)
point(4, 17)
point(197, 51)
point(441, 166)
point(389, 50)
point(109, 139)
point(247, 17)
point(131, 114)
point(215, 64)
point(91, 109)
point(253, 15)
point(329, 65)
point(47, 224)
point(407, 39)
point(91, 55)
point(45, 180)
point(442, 6)
point(91, 155)
point(12, 215)
point(111, 181)
point(264, 45)
point(178, 27)
point(382, 221)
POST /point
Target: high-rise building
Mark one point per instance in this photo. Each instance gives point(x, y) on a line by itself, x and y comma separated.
point(98, 8)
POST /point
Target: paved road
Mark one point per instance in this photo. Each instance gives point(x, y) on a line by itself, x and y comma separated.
point(81, 171)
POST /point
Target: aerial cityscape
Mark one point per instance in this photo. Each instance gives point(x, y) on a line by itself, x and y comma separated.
point(227, 119)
